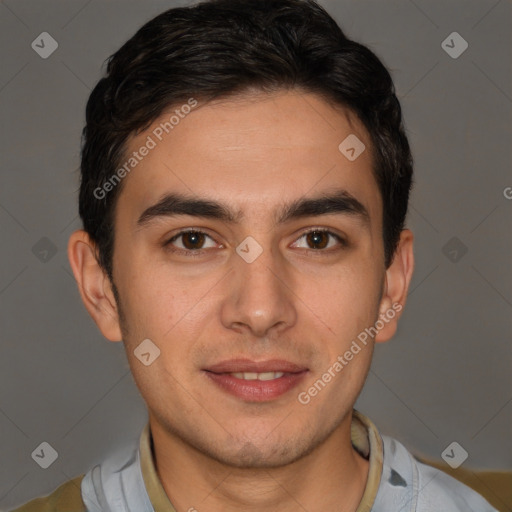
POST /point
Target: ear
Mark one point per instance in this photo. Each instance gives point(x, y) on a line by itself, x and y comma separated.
point(396, 286)
point(94, 285)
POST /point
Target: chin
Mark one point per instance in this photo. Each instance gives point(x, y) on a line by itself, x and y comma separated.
point(264, 452)
point(251, 457)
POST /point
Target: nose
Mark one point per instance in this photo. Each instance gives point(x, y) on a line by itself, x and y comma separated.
point(259, 298)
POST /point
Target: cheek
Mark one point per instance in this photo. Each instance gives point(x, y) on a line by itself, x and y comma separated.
point(167, 308)
point(345, 300)
point(150, 304)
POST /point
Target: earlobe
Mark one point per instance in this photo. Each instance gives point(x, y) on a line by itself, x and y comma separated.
point(94, 285)
point(396, 286)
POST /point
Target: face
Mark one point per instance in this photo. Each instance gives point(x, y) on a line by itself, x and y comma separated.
point(267, 283)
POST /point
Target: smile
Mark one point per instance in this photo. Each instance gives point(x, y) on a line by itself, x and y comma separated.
point(258, 376)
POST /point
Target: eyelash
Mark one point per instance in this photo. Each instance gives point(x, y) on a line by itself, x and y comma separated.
point(199, 252)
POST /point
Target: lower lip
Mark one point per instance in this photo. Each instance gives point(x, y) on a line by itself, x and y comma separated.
point(257, 390)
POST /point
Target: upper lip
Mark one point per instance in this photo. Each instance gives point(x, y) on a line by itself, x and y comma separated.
point(246, 365)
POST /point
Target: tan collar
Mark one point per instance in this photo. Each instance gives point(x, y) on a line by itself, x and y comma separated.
point(365, 439)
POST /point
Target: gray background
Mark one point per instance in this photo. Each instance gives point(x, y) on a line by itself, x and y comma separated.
point(445, 377)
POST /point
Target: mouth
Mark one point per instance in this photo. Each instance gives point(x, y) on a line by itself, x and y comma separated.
point(257, 376)
point(253, 381)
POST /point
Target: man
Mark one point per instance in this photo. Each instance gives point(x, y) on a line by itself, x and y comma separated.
point(245, 181)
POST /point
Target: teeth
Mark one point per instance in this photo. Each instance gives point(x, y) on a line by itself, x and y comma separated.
point(269, 375)
point(258, 376)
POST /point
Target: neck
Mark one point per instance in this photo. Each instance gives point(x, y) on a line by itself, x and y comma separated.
point(331, 477)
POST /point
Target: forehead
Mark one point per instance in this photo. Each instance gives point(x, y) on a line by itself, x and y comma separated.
point(253, 151)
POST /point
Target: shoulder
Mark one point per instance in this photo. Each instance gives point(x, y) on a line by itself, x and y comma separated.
point(423, 487)
point(443, 489)
point(66, 498)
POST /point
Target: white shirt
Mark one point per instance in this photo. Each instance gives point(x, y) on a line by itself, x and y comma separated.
point(397, 482)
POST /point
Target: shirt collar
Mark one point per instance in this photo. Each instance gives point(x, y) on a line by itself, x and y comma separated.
point(365, 439)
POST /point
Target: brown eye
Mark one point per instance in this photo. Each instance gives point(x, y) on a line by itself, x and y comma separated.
point(193, 240)
point(318, 239)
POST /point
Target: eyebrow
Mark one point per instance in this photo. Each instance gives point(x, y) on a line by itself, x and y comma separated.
point(337, 202)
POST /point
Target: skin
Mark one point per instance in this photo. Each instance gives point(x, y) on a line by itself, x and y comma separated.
point(254, 153)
